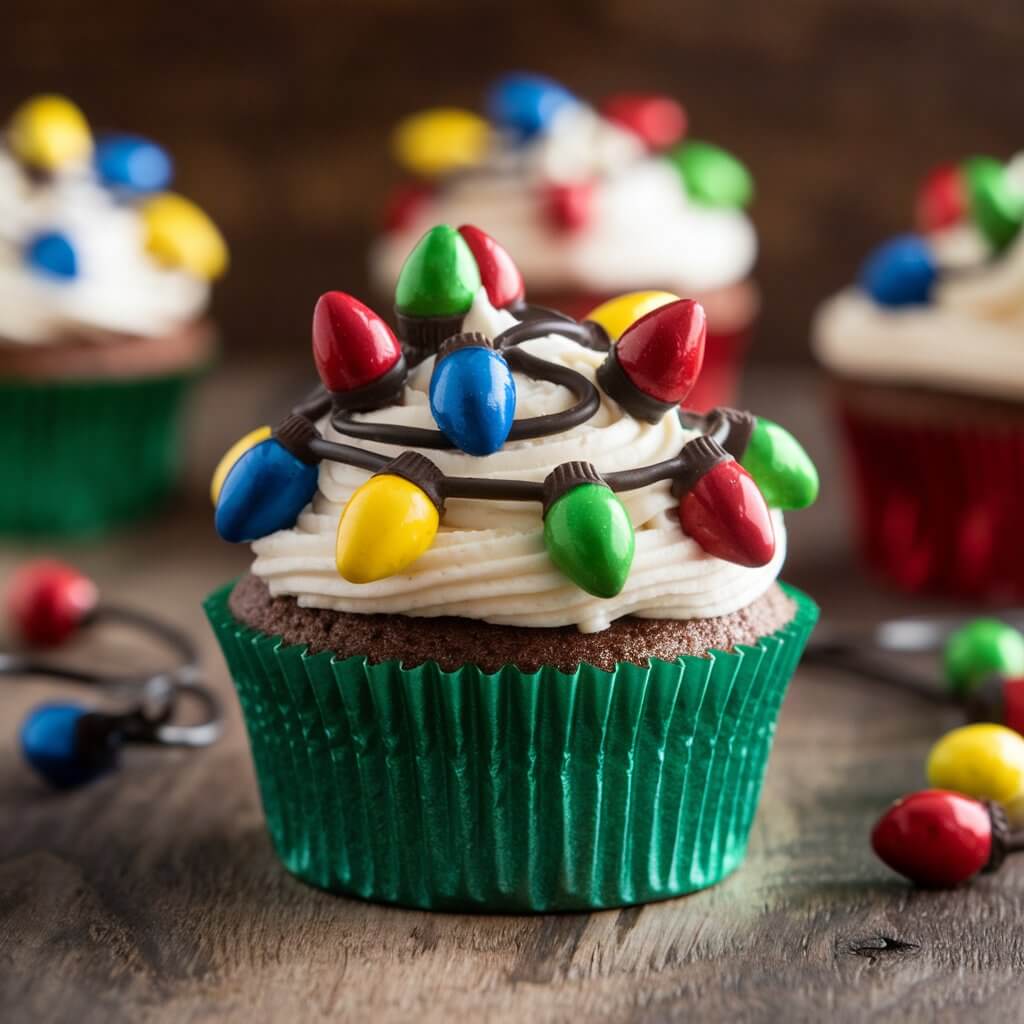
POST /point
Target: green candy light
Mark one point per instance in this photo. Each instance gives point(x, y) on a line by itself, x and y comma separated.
point(713, 177)
point(982, 648)
point(780, 467)
point(997, 208)
point(589, 536)
point(439, 277)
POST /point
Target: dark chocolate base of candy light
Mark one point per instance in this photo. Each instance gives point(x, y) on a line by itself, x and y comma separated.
point(422, 336)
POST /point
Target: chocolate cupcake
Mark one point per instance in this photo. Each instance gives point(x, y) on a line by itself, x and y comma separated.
point(925, 356)
point(591, 203)
point(104, 284)
point(513, 637)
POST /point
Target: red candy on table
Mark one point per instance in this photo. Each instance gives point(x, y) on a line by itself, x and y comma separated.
point(568, 208)
point(942, 199)
point(658, 120)
point(499, 274)
point(48, 600)
point(936, 837)
point(352, 345)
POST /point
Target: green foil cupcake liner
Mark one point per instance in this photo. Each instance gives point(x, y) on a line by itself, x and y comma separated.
point(80, 457)
point(510, 791)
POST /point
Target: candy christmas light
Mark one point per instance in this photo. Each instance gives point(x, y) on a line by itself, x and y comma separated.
point(391, 520)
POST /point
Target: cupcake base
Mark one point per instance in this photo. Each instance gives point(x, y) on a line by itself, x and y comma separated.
point(938, 480)
point(516, 790)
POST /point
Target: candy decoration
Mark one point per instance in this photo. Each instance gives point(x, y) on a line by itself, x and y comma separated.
point(721, 507)
point(712, 176)
point(568, 208)
point(53, 254)
point(180, 235)
point(501, 278)
point(231, 456)
point(525, 104)
point(656, 362)
point(67, 745)
point(267, 488)
point(942, 200)
point(998, 699)
point(133, 164)
point(939, 839)
point(618, 314)
point(781, 468)
point(472, 394)
point(49, 132)
point(658, 121)
point(390, 521)
point(356, 353)
point(901, 272)
point(980, 648)
point(440, 141)
point(996, 205)
point(983, 760)
point(48, 600)
point(404, 205)
point(587, 530)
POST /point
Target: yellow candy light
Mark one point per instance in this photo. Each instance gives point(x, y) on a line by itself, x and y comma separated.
point(617, 315)
point(440, 140)
point(984, 760)
point(50, 132)
point(231, 456)
point(179, 234)
point(386, 525)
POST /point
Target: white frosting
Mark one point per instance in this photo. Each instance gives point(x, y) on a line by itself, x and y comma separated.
point(645, 232)
point(119, 287)
point(488, 560)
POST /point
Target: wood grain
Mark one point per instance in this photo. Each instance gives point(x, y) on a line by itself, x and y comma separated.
point(155, 895)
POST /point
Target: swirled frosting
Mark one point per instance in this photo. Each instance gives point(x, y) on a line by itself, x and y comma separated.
point(120, 288)
point(488, 561)
point(644, 232)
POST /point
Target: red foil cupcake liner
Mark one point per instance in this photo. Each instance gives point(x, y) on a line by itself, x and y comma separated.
point(940, 506)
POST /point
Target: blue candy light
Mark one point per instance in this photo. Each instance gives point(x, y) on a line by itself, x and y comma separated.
point(473, 399)
point(901, 272)
point(526, 104)
point(265, 491)
point(52, 253)
point(132, 163)
point(52, 744)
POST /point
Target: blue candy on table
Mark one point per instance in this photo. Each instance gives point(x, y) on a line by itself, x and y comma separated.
point(526, 104)
point(901, 272)
point(52, 742)
point(133, 164)
point(52, 253)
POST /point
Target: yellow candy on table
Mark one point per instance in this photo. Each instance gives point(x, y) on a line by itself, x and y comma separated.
point(441, 140)
point(180, 235)
point(985, 761)
point(50, 132)
point(232, 455)
point(617, 315)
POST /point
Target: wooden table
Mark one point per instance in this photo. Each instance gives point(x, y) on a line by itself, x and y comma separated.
point(154, 895)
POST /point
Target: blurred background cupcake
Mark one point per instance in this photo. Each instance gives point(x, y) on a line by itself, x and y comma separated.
point(591, 203)
point(104, 284)
point(926, 358)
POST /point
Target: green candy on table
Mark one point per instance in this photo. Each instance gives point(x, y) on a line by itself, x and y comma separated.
point(982, 648)
point(713, 176)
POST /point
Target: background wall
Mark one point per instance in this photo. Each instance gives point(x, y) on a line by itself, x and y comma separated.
point(278, 113)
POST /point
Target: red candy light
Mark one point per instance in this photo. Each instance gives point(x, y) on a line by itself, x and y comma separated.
point(352, 346)
point(48, 600)
point(935, 838)
point(942, 199)
point(1013, 704)
point(404, 204)
point(662, 353)
point(726, 514)
point(659, 121)
point(568, 208)
point(499, 274)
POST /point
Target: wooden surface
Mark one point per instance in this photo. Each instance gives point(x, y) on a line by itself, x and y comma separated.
point(279, 112)
point(155, 895)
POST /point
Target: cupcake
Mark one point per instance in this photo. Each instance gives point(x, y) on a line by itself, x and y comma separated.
point(513, 638)
point(104, 283)
point(925, 355)
point(590, 203)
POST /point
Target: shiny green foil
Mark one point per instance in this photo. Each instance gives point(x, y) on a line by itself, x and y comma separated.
point(79, 458)
point(509, 791)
